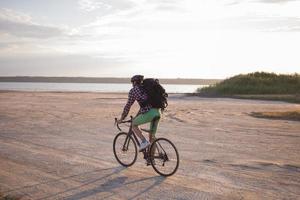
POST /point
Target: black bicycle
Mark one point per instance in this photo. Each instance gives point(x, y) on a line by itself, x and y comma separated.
point(161, 154)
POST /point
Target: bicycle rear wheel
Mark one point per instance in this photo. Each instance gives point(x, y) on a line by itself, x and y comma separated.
point(125, 149)
point(164, 157)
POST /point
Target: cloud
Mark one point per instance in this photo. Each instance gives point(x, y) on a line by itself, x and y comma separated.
point(234, 2)
point(280, 24)
point(21, 25)
point(4, 45)
point(274, 1)
point(91, 5)
point(61, 65)
point(261, 23)
point(111, 5)
point(136, 16)
point(166, 5)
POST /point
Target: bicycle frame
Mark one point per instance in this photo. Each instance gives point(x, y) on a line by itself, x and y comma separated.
point(131, 132)
point(153, 152)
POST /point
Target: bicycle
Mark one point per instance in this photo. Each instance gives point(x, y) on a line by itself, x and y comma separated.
point(161, 154)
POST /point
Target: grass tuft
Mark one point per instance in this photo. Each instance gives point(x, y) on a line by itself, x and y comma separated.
point(289, 115)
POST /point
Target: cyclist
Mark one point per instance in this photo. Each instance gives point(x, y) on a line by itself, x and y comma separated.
point(146, 113)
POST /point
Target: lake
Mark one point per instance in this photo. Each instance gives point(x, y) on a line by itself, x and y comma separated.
point(88, 87)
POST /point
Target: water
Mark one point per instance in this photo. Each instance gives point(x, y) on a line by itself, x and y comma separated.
point(88, 87)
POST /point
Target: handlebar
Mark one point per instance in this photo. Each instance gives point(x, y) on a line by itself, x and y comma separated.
point(122, 122)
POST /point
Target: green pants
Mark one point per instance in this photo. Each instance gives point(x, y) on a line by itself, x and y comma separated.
point(148, 117)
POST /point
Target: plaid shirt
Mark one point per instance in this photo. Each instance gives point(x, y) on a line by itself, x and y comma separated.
point(137, 94)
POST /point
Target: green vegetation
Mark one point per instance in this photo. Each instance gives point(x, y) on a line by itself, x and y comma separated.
point(258, 85)
point(289, 115)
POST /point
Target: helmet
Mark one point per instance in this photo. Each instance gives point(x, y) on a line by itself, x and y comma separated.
point(137, 78)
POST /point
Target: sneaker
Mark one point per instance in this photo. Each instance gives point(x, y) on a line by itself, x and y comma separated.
point(144, 145)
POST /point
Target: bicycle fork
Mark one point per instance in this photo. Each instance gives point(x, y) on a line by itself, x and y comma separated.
point(126, 143)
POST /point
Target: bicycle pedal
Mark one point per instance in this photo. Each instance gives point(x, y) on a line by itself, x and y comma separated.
point(147, 161)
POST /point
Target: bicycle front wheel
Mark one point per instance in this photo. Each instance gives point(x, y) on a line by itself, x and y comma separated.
point(164, 157)
point(125, 149)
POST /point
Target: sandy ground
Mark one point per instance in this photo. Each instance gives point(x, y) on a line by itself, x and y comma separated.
point(59, 146)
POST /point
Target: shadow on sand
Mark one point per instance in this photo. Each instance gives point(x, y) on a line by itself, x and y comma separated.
point(115, 183)
point(108, 186)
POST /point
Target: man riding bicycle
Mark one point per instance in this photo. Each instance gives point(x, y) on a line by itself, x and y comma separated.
point(146, 113)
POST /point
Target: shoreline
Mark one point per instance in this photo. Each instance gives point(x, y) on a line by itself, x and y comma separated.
point(89, 87)
point(108, 80)
point(81, 92)
point(275, 98)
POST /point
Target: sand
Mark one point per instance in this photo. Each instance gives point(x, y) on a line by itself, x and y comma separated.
point(59, 146)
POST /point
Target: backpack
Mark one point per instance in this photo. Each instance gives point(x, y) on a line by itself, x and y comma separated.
point(157, 96)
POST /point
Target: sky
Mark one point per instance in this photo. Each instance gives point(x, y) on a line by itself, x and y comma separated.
point(156, 38)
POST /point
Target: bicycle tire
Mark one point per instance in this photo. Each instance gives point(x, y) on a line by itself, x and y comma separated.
point(152, 157)
point(124, 136)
